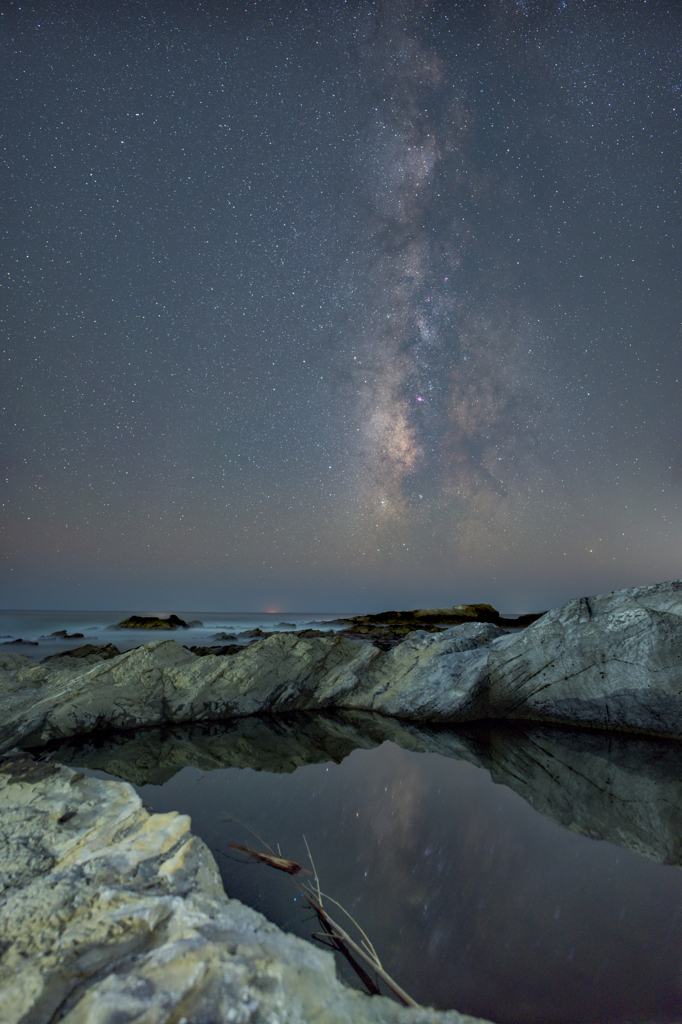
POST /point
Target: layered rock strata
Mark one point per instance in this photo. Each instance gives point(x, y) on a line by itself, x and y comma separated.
point(112, 915)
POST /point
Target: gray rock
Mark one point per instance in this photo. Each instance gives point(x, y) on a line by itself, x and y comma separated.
point(163, 682)
point(613, 661)
point(89, 653)
point(110, 914)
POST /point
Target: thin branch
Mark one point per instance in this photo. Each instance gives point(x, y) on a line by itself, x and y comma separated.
point(312, 864)
point(365, 937)
point(345, 937)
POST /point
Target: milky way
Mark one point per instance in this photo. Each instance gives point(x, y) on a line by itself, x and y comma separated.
point(446, 376)
point(340, 305)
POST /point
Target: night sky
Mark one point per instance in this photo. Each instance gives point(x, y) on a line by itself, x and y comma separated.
point(339, 305)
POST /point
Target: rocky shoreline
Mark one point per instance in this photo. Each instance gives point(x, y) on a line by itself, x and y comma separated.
point(609, 662)
point(110, 914)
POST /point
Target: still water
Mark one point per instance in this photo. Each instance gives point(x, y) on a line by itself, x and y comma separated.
point(472, 898)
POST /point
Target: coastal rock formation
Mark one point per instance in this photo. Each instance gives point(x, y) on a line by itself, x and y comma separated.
point(424, 678)
point(61, 634)
point(90, 653)
point(217, 651)
point(613, 661)
point(153, 622)
point(110, 914)
point(387, 629)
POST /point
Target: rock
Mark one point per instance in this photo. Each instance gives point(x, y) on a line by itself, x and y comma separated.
point(111, 914)
point(620, 788)
point(286, 625)
point(195, 624)
point(91, 653)
point(612, 661)
point(11, 663)
point(224, 636)
point(151, 622)
point(456, 615)
point(252, 634)
point(388, 629)
point(63, 635)
point(26, 643)
point(382, 636)
point(426, 677)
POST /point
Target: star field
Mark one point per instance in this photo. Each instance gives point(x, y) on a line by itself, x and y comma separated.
point(337, 306)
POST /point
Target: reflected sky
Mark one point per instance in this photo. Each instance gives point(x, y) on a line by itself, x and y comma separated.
point(472, 899)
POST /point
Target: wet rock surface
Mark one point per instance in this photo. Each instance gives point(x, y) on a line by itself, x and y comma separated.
point(110, 914)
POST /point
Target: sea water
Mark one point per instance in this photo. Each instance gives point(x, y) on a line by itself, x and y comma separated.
point(34, 628)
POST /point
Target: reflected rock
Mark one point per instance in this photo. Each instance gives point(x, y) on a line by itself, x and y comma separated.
point(268, 743)
point(604, 785)
point(624, 789)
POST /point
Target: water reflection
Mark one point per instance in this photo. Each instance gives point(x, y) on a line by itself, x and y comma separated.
point(626, 789)
point(473, 899)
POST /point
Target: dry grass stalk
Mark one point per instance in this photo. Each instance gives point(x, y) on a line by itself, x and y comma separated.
point(340, 933)
point(337, 935)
